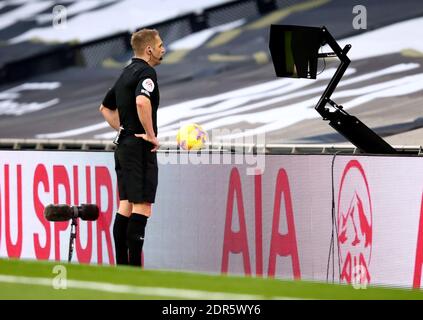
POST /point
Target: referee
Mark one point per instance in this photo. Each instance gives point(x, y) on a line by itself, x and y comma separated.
point(130, 107)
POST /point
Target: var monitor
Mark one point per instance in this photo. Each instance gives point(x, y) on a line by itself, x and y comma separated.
point(295, 49)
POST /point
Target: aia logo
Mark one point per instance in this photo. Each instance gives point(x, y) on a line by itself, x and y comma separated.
point(355, 225)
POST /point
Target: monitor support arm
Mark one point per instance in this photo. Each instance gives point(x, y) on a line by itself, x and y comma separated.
point(345, 61)
point(349, 126)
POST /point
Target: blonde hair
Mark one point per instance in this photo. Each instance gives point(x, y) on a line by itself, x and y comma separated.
point(143, 38)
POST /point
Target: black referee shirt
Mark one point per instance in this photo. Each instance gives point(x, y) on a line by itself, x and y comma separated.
point(138, 78)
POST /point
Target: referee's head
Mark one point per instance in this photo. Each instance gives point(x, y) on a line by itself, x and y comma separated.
point(148, 46)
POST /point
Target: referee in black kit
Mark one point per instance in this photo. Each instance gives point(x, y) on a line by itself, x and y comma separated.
point(130, 107)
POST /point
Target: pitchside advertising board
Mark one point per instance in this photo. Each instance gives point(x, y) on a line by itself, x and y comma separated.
point(220, 218)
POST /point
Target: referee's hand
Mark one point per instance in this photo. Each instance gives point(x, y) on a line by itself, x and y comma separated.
point(150, 139)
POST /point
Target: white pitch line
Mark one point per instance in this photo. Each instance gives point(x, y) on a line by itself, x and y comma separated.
point(142, 291)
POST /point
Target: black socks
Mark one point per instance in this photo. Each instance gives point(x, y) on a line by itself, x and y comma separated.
point(135, 237)
point(119, 234)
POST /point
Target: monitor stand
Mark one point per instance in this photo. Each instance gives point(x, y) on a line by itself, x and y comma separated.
point(347, 125)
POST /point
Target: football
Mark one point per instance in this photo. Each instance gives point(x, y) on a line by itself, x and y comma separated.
point(191, 137)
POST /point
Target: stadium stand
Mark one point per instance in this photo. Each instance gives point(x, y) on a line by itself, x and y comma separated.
point(224, 49)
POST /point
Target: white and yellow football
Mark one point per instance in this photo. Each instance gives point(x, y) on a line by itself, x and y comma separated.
point(191, 137)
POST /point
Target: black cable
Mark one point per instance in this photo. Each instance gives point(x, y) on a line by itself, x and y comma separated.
point(324, 64)
point(329, 255)
point(334, 229)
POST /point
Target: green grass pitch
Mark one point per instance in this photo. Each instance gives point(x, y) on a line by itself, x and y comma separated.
point(24, 279)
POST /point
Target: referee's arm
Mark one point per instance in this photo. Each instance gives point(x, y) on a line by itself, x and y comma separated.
point(111, 116)
point(108, 109)
point(145, 116)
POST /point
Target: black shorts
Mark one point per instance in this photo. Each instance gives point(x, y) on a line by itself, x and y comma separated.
point(136, 170)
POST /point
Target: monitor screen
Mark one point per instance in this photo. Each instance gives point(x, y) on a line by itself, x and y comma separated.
point(294, 50)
